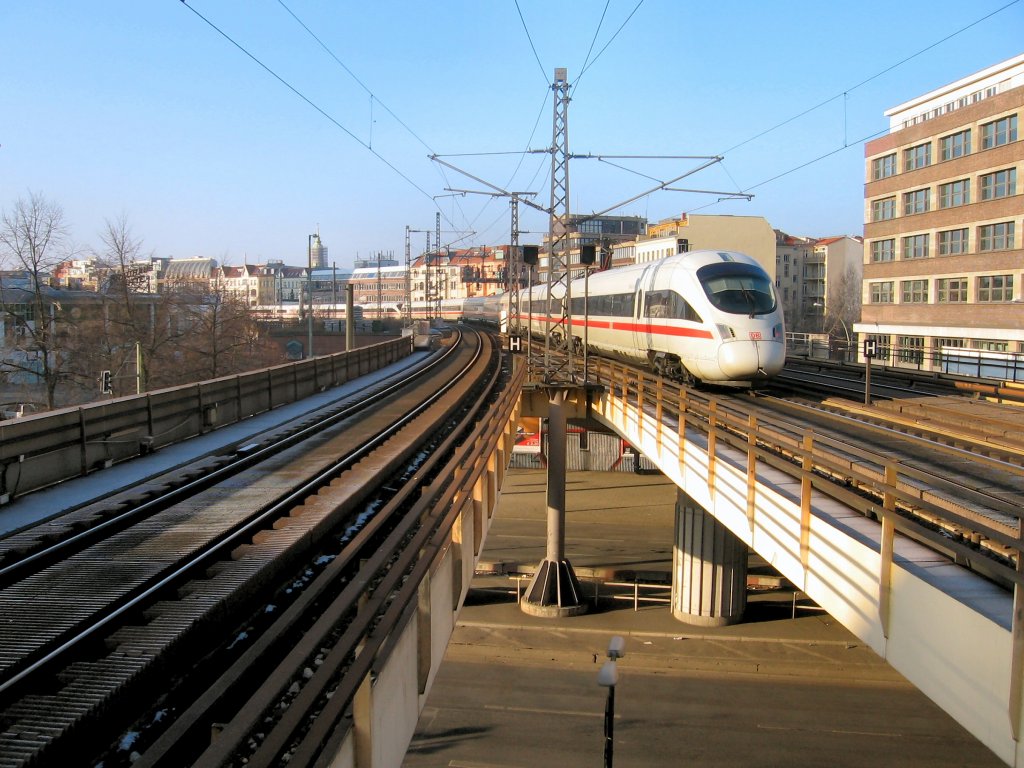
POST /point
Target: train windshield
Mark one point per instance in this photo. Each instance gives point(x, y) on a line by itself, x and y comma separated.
point(739, 289)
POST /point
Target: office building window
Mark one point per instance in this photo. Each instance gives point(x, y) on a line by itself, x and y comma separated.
point(915, 247)
point(999, 132)
point(914, 291)
point(917, 157)
point(951, 290)
point(911, 349)
point(883, 250)
point(883, 167)
point(915, 202)
point(955, 193)
point(952, 242)
point(990, 346)
point(995, 288)
point(882, 293)
point(939, 343)
point(955, 145)
point(883, 209)
point(995, 237)
point(999, 184)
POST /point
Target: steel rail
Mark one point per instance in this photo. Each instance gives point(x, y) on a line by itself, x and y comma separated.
point(246, 456)
point(379, 574)
point(229, 539)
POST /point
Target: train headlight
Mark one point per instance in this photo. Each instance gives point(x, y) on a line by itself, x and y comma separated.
point(777, 331)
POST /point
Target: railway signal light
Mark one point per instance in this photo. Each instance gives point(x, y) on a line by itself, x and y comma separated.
point(106, 383)
point(530, 254)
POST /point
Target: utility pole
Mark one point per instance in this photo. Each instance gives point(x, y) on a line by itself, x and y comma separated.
point(558, 330)
point(555, 590)
point(309, 286)
point(380, 288)
point(407, 309)
point(437, 269)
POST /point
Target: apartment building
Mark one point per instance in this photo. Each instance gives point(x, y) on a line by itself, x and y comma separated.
point(944, 214)
point(752, 235)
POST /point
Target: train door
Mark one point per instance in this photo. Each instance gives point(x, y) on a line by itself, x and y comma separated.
point(645, 333)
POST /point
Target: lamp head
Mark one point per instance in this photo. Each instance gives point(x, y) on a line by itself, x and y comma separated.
point(609, 675)
point(616, 647)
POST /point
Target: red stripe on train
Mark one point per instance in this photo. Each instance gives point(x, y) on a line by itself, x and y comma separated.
point(658, 330)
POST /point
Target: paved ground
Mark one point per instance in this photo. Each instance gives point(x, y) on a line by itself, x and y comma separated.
point(788, 687)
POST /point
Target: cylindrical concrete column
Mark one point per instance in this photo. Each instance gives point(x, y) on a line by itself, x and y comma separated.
point(709, 568)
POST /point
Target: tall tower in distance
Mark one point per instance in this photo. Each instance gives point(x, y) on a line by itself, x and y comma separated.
point(318, 252)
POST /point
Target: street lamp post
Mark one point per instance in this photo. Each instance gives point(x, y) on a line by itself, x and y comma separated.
point(309, 292)
point(607, 678)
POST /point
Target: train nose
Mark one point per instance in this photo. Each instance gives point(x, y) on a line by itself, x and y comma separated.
point(751, 359)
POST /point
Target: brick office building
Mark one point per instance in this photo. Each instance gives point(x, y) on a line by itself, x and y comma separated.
point(944, 220)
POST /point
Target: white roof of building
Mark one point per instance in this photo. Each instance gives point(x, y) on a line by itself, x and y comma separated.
point(968, 90)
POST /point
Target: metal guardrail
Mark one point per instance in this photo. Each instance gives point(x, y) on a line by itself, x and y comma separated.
point(41, 450)
point(870, 483)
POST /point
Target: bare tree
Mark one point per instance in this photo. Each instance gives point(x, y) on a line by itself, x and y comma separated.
point(844, 301)
point(34, 239)
point(132, 332)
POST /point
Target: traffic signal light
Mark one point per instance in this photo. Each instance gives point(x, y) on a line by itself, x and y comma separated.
point(106, 383)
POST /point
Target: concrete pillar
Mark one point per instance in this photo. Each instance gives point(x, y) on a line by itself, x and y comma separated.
point(555, 590)
point(709, 568)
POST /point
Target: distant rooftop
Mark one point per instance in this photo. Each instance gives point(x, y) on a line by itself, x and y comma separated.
point(968, 90)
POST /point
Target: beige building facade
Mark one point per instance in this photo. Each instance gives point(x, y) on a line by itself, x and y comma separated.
point(752, 235)
point(819, 283)
point(944, 220)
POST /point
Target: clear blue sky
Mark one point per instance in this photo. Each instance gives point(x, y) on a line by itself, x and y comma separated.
point(144, 109)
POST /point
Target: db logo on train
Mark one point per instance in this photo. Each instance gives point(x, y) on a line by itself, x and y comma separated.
point(755, 335)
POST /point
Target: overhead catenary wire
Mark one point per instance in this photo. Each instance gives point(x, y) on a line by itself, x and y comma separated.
point(373, 98)
point(844, 95)
point(593, 40)
point(529, 38)
point(845, 92)
point(352, 74)
point(612, 38)
point(316, 107)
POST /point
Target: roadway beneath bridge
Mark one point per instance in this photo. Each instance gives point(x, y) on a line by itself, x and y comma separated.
point(516, 690)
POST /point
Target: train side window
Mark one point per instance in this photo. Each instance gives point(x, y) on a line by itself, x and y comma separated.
point(609, 305)
point(669, 304)
point(658, 304)
point(628, 304)
point(683, 310)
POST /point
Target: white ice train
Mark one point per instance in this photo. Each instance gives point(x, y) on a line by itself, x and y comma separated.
point(707, 316)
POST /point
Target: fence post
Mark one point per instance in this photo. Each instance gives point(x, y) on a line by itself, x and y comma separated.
point(751, 467)
point(806, 464)
point(888, 537)
point(1017, 635)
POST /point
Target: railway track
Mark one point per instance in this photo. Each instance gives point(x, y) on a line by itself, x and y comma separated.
point(813, 378)
point(248, 588)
